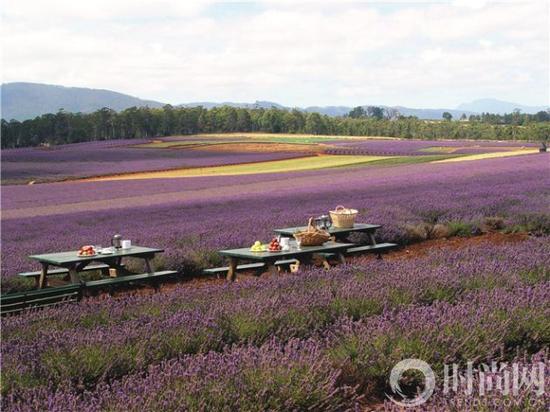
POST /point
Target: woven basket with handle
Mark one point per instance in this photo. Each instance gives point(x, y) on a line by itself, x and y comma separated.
point(343, 217)
point(312, 236)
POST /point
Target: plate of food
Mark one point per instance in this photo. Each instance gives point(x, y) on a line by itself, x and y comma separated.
point(257, 247)
point(86, 251)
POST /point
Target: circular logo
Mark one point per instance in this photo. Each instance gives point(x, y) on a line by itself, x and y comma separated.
point(397, 373)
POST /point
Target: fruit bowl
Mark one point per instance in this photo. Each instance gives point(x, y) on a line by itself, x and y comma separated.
point(274, 246)
point(86, 251)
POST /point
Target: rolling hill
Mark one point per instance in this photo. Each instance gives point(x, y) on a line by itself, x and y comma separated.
point(22, 101)
point(498, 106)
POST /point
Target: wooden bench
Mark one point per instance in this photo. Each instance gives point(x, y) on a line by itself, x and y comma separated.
point(120, 280)
point(248, 266)
point(53, 272)
point(378, 248)
point(16, 302)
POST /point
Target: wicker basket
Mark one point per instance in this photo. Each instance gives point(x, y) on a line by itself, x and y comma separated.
point(312, 236)
point(343, 217)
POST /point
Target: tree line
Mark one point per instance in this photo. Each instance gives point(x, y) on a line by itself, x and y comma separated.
point(143, 122)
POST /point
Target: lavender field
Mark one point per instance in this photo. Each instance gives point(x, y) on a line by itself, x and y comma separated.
point(314, 341)
point(115, 157)
point(60, 216)
point(300, 342)
point(91, 159)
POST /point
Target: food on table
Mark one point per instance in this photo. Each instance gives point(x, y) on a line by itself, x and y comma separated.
point(274, 246)
point(257, 247)
point(311, 236)
point(87, 250)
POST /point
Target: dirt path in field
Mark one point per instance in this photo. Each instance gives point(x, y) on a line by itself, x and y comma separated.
point(407, 252)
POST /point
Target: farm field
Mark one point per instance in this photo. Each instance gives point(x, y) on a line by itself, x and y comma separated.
point(113, 157)
point(185, 153)
point(317, 340)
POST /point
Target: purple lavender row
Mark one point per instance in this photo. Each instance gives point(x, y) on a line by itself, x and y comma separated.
point(332, 371)
point(91, 163)
point(439, 174)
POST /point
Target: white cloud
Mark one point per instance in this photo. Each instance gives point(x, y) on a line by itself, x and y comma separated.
point(425, 54)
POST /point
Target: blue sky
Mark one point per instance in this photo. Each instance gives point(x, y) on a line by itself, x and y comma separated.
point(417, 54)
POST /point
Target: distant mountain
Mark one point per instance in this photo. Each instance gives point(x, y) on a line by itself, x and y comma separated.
point(429, 114)
point(256, 105)
point(498, 106)
point(329, 110)
point(22, 101)
point(432, 114)
point(27, 100)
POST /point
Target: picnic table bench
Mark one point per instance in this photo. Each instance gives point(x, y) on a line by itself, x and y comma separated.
point(62, 271)
point(269, 259)
point(73, 264)
point(17, 302)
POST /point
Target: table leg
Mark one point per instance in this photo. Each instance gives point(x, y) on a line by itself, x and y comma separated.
point(116, 268)
point(271, 268)
point(73, 274)
point(232, 272)
point(372, 239)
point(42, 281)
point(340, 237)
point(341, 258)
point(148, 265)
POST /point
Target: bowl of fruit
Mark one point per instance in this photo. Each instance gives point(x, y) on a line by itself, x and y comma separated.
point(257, 247)
point(274, 246)
point(87, 250)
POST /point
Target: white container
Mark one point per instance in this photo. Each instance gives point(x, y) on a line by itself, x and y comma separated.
point(126, 244)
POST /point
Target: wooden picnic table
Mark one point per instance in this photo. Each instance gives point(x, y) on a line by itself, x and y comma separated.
point(269, 258)
point(340, 234)
point(75, 264)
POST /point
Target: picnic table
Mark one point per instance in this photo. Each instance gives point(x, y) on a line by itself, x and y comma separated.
point(342, 234)
point(76, 264)
point(269, 258)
